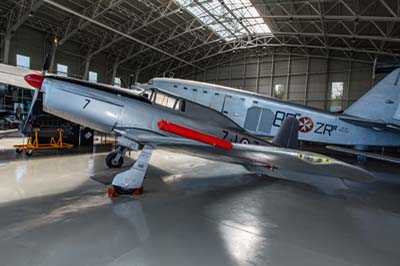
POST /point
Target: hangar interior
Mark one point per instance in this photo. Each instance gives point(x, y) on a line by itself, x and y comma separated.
point(323, 54)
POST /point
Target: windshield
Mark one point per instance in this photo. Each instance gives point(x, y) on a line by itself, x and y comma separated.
point(163, 99)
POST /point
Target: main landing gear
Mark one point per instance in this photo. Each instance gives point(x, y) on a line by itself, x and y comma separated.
point(115, 159)
point(130, 182)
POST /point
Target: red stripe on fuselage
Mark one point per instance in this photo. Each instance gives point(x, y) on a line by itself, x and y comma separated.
point(194, 135)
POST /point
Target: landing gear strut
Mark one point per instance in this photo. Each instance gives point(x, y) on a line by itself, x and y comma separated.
point(131, 181)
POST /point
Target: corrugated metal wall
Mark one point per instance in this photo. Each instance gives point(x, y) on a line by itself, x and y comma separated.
point(307, 80)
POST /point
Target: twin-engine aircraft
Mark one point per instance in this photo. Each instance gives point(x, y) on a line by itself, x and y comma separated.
point(157, 119)
point(373, 120)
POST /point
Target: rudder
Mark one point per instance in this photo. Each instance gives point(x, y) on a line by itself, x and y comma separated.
point(381, 103)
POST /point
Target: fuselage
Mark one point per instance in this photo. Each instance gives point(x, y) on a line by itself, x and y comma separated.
point(262, 116)
point(106, 108)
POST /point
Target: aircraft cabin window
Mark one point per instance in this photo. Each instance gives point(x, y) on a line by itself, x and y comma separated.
point(256, 102)
point(175, 86)
point(167, 101)
point(216, 94)
point(194, 89)
point(204, 91)
point(185, 88)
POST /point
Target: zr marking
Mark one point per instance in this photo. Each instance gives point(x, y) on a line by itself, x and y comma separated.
point(87, 103)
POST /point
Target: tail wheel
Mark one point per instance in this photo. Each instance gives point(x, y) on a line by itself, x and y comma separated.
point(29, 153)
point(111, 161)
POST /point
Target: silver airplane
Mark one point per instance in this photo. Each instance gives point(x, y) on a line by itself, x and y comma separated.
point(373, 120)
point(157, 119)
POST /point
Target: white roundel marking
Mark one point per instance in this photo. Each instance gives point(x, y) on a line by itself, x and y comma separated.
point(244, 141)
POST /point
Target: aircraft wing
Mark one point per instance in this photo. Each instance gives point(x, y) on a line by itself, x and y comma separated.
point(14, 76)
point(270, 160)
point(365, 154)
point(380, 125)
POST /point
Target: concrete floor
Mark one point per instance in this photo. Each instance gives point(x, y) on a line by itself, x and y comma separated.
point(54, 211)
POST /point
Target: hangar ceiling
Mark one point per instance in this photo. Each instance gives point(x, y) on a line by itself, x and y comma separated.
point(186, 35)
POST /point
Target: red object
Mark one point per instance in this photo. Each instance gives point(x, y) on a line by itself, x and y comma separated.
point(306, 124)
point(112, 193)
point(268, 167)
point(35, 80)
point(138, 191)
point(194, 135)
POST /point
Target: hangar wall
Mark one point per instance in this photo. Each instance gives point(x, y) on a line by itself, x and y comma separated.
point(307, 80)
point(36, 44)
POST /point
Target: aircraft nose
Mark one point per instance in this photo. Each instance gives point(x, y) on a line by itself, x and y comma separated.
point(35, 80)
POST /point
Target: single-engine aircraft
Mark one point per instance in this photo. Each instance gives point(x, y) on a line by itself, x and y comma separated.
point(157, 119)
point(373, 120)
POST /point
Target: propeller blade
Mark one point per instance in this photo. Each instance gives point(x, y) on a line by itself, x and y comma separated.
point(130, 81)
point(35, 96)
point(49, 59)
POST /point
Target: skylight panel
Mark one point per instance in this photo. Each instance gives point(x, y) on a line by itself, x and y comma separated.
point(230, 19)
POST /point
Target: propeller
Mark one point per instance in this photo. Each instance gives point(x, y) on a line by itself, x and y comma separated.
point(36, 79)
point(130, 81)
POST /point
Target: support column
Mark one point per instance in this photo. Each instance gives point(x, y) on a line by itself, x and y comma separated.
point(327, 89)
point(114, 74)
point(306, 83)
point(258, 75)
point(6, 48)
point(272, 73)
point(87, 66)
point(288, 76)
point(348, 83)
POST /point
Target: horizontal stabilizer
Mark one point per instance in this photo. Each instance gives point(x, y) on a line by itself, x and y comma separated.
point(365, 154)
point(288, 134)
point(363, 122)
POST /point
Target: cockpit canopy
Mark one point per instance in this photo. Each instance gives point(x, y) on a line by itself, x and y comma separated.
point(164, 99)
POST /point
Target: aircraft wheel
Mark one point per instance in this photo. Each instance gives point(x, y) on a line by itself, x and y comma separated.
point(19, 151)
point(29, 153)
point(112, 163)
point(122, 191)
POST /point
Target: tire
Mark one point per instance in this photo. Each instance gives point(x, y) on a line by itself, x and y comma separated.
point(122, 191)
point(19, 151)
point(110, 160)
point(29, 153)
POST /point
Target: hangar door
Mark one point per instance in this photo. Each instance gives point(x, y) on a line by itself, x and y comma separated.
point(259, 120)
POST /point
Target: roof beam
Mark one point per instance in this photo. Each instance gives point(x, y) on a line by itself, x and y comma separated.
point(97, 13)
point(66, 9)
point(22, 16)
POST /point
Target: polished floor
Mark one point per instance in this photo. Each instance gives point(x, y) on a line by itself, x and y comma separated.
point(54, 211)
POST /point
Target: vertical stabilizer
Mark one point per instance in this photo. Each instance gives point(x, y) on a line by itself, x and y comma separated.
point(381, 103)
point(288, 134)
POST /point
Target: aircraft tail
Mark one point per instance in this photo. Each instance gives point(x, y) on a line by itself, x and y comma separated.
point(288, 134)
point(381, 103)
